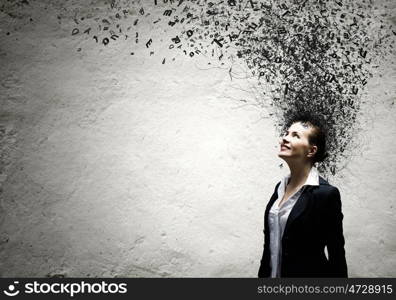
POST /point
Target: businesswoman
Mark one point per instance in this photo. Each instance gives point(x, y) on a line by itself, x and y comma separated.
point(303, 216)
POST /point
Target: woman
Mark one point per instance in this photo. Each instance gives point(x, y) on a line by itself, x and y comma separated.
point(304, 214)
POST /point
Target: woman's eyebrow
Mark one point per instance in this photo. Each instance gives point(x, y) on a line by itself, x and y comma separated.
point(287, 131)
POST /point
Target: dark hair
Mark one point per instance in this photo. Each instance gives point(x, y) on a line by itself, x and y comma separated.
point(318, 135)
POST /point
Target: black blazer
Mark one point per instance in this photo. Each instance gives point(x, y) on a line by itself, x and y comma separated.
point(314, 222)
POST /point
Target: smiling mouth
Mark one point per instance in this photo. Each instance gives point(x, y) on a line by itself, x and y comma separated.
point(283, 147)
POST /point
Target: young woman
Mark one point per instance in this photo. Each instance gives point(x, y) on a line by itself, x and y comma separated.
point(303, 216)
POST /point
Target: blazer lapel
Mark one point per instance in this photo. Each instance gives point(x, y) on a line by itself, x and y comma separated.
point(270, 203)
point(299, 207)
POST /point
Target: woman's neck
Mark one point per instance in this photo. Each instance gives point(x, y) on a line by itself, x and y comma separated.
point(298, 174)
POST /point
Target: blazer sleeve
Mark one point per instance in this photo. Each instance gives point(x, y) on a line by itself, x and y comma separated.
point(334, 235)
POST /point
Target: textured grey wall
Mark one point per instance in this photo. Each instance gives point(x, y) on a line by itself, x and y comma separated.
point(158, 163)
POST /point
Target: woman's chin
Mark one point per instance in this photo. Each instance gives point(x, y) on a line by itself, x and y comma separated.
point(284, 156)
point(281, 154)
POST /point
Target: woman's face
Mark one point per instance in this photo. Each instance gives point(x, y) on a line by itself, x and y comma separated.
point(294, 144)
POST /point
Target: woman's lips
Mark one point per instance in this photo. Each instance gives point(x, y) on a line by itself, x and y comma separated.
point(283, 147)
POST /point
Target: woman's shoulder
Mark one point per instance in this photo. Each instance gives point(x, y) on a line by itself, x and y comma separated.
point(326, 189)
point(325, 185)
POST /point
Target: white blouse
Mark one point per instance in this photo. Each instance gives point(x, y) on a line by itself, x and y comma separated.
point(278, 217)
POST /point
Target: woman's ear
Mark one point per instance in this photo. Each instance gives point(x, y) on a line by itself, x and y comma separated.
point(312, 151)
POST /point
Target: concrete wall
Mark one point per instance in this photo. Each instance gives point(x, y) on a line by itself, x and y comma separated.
point(121, 165)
